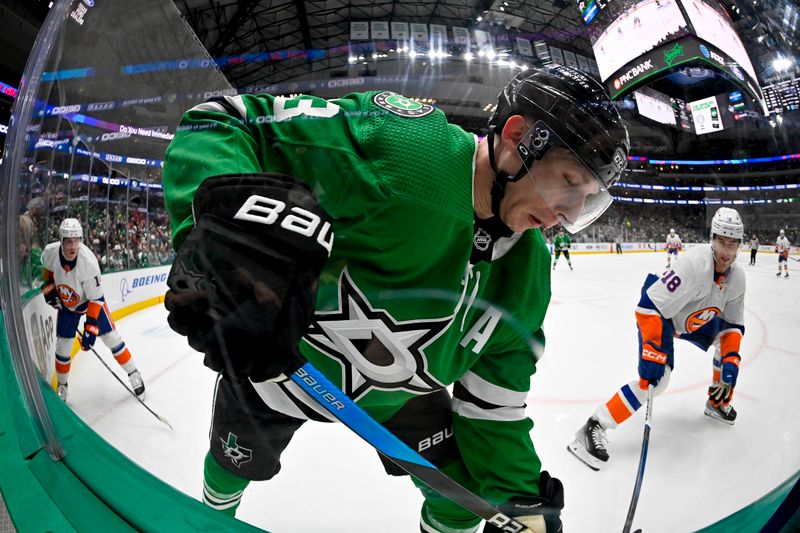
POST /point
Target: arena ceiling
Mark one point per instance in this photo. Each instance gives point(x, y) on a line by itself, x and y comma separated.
point(769, 28)
point(246, 28)
point(238, 27)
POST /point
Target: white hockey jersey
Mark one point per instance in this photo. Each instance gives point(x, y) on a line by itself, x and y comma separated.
point(688, 295)
point(75, 285)
point(782, 245)
point(674, 242)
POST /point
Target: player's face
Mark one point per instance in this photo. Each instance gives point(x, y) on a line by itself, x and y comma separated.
point(69, 247)
point(725, 251)
point(564, 183)
point(556, 188)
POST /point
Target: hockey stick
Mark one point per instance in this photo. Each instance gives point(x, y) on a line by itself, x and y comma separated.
point(351, 415)
point(160, 418)
point(637, 488)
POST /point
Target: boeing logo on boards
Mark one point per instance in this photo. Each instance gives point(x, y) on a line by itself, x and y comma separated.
point(125, 288)
point(632, 73)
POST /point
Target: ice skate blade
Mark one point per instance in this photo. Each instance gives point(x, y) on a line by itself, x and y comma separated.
point(583, 456)
point(711, 414)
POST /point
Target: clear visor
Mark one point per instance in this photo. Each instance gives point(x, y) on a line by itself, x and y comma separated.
point(574, 194)
point(725, 245)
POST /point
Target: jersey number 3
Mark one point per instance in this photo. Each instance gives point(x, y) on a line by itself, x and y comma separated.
point(288, 108)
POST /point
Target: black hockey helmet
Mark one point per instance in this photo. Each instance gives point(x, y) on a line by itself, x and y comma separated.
point(569, 109)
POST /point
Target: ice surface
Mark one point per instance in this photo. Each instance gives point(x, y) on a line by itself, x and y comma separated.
point(698, 470)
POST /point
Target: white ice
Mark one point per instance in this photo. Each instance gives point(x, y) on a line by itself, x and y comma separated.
point(698, 470)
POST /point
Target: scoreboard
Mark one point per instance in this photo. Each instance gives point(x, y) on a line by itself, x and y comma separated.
point(782, 96)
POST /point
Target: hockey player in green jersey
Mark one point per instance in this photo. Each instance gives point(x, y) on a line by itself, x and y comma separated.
point(298, 222)
point(561, 246)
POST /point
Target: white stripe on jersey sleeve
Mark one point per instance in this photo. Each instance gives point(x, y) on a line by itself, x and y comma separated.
point(500, 414)
point(238, 103)
point(209, 106)
point(489, 392)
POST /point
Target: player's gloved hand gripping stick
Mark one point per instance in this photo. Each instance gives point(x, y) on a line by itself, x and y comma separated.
point(244, 283)
point(245, 279)
point(51, 295)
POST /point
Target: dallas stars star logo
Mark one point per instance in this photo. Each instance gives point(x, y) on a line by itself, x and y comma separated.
point(237, 454)
point(375, 350)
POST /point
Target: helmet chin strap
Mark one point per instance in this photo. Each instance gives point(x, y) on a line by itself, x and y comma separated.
point(488, 231)
point(501, 177)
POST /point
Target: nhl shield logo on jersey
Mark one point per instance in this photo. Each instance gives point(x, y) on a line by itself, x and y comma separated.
point(400, 105)
point(68, 295)
point(700, 318)
point(374, 349)
point(482, 240)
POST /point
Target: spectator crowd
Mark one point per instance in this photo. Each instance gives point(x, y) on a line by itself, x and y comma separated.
point(124, 234)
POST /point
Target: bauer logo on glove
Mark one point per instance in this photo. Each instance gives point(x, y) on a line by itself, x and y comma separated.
point(246, 275)
point(263, 210)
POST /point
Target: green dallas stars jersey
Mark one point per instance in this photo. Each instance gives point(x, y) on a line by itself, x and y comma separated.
point(399, 312)
point(562, 242)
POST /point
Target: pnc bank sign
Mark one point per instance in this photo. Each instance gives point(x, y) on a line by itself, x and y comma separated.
point(633, 73)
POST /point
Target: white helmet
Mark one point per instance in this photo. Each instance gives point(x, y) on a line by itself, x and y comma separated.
point(70, 227)
point(782, 232)
point(672, 231)
point(727, 223)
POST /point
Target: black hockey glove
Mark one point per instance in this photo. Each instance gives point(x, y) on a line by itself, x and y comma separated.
point(540, 514)
point(51, 295)
point(89, 335)
point(243, 285)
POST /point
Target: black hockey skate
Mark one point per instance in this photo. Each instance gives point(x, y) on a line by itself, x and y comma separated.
point(723, 413)
point(590, 444)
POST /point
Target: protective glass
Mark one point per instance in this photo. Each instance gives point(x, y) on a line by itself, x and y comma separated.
point(576, 197)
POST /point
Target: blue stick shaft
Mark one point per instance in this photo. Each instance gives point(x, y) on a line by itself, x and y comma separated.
point(329, 396)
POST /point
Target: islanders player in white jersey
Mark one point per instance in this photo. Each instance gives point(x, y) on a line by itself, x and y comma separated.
point(701, 300)
point(72, 286)
point(673, 245)
point(782, 248)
